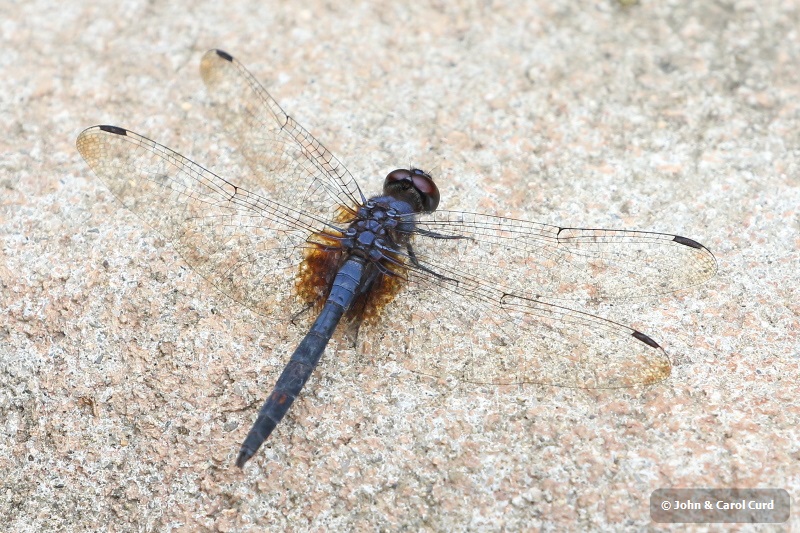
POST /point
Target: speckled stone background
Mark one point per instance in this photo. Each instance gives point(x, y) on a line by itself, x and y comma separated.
point(127, 384)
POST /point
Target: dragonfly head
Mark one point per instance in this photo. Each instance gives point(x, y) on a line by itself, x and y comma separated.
point(413, 185)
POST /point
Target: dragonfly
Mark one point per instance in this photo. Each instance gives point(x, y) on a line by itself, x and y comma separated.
point(453, 294)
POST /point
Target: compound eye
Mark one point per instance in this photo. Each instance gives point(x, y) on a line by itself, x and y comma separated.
point(427, 189)
point(401, 174)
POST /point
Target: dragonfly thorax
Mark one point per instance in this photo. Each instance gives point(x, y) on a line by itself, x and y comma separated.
point(381, 229)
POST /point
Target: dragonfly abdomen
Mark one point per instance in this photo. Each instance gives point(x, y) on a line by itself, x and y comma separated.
point(304, 359)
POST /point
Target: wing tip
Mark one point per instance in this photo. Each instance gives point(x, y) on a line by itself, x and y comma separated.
point(691, 243)
point(708, 255)
point(116, 130)
point(223, 54)
point(638, 335)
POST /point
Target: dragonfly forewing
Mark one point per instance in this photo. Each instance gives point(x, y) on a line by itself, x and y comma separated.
point(531, 259)
point(288, 164)
point(244, 244)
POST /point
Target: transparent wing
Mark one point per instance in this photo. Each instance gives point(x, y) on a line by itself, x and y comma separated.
point(244, 244)
point(496, 297)
point(533, 259)
point(287, 162)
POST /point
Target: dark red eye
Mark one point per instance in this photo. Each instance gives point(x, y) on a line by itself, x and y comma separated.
point(422, 182)
point(398, 175)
